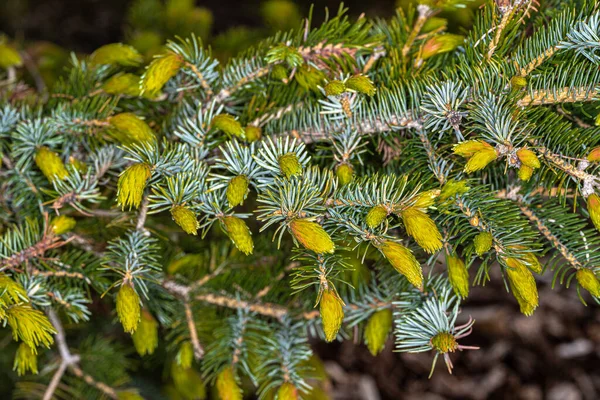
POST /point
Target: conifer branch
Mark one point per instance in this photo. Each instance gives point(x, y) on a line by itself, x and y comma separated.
point(560, 95)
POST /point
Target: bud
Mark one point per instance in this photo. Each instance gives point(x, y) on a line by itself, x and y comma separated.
point(188, 382)
point(123, 84)
point(279, 72)
point(287, 391)
point(309, 78)
point(117, 54)
point(227, 385)
point(482, 243)
point(441, 44)
point(458, 275)
point(480, 160)
point(159, 72)
point(593, 206)
point(290, 165)
point(145, 337)
point(452, 188)
point(589, 281)
point(361, 84)
point(77, 164)
point(128, 308)
point(469, 147)
point(335, 88)
point(444, 342)
point(377, 330)
point(528, 158)
point(185, 355)
point(312, 236)
point(523, 285)
point(237, 190)
point(403, 261)
point(186, 219)
point(62, 224)
point(427, 199)
point(344, 173)
point(128, 128)
point(253, 133)
point(332, 313)
point(594, 154)
point(422, 229)
point(239, 233)
point(25, 360)
point(9, 57)
point(525, 173)
point(50, 164)
point(131, 185)
point(531, 261)
point(376, 216)
point(474, 220)
point(228, 124)
point(518, 82)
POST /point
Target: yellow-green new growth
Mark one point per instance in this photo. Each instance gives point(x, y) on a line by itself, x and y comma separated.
point(458, 275)
point(361, 84)
point(376, 216)
point(332, 313)
point(128, 308)
point(312, 236)
point(523, 285)
point(290, 165)
point(128, 128)
point(253, 133)
point(50, 164)
point(185, 355)
point(237, 190)
point(25, 360)
point(159, 72)
point(403, 261)
point(589, 281)
point(444, 342)
point(227, 385)
point(377, 330)
point(62, 224)
point(131, 185)
point(287, 391)
point(228, 124)
point(593, 206)
point(344, 173)
point(123, 84)
point(9, 57)
point(186, 219)
point(422, 229)
point(145, 337)
point(239, 233)
point(482, 243)
point(335, 88)
point(117, 54)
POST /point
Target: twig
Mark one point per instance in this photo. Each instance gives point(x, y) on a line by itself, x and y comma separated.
point(198, 350)
point(424, 13)
point(142, 215)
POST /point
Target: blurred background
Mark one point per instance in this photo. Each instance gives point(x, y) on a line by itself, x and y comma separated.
point(552, 355)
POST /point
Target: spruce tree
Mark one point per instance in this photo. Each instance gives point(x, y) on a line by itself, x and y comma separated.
point(342, 181)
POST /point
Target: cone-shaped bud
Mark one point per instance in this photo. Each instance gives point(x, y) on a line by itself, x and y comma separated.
point(332, 313)
point(594, 154)
point(287, 391)
point(441, 44)
point(403, 261)
point(458, 275)
point(62, 224)
point(453, 188)
point(427, 199)
point(422, 229)
point(227, 385)
point(361, 84)
point(159, 72)
point(525, 173)
point(469, 147)
point(128, 308)
point(123, 84)
point(309, 78)
point(117, 54)
point(290, 165)
point(528, 158)
point(593, 206)
point(131, 185)
point(185, 355)
point(589, 281)
point(25, 360)
point(228, 124)
point(189, 382)
point(145, 337)
point(335, 88)
point(186, 219)
point(523, 285)
point(482, 243)
point(480, 160)
point(128, 128)
point(253, 133)
point(344, 173)
point(444, 342)
point(376, 216)
point(239, 233)
point(237, 190)
point(518, 82)
point(9, 57)
point(50, 164)
point(279, 72)
point(312, 236)
point(377, 330)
